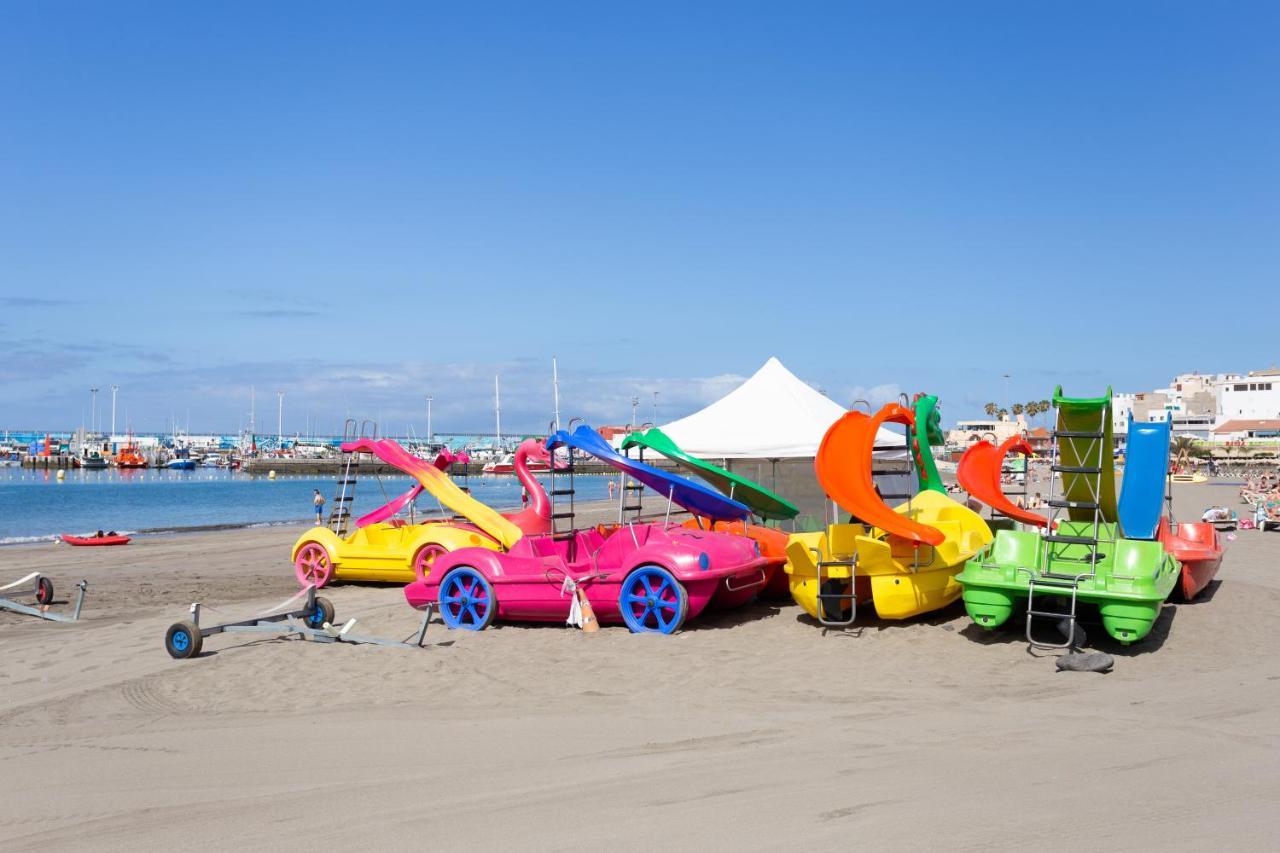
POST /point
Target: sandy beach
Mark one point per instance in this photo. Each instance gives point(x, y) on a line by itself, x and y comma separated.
point(750, 731)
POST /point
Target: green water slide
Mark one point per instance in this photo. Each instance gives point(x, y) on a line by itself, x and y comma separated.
point(762, 502)
point(1084, 458)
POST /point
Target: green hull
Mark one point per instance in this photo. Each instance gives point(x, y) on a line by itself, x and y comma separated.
point(1132, 580)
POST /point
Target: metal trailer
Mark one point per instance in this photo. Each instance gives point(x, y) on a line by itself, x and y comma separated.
point(39, 586)
point(312, 621)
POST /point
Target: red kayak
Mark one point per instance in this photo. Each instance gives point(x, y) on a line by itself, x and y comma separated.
point(95, 540)
point(1197, 547)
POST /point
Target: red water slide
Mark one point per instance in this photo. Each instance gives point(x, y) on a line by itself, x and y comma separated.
point(979, 475)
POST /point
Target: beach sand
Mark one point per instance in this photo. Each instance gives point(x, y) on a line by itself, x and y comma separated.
point(751, 731)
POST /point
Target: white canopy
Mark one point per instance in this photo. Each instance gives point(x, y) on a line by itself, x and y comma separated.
point(773, 415)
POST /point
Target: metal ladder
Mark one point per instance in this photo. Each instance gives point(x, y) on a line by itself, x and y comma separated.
point(340, 512)
point(1089, 465)
point(562, 520)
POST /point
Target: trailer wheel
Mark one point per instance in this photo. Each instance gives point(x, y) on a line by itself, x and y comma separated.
point(322, 614)
point(44, 591)
point(183, 640)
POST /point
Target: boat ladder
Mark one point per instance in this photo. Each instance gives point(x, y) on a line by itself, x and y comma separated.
point(562, 520)
point(1069, 617)
point(340, 512)
point(838, 594)
point(1085, 464)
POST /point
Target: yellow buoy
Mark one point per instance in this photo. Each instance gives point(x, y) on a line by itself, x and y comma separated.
point(271, 475)
point(62, 475)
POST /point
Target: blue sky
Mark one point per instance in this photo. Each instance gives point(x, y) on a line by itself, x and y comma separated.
point(365, 203)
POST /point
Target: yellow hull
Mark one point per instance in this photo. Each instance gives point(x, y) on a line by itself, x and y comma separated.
point(385, 552)
point(903, 581)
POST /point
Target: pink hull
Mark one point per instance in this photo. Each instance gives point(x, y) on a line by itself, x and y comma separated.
point(528, 580)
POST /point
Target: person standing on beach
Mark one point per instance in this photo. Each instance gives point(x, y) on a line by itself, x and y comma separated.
point(318, 501)
point(612, 488)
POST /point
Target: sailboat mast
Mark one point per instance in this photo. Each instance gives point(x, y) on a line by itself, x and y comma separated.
point(555, 389)
point(497, 408)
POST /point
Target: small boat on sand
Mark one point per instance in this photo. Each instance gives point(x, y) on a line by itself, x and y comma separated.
point(114, 539)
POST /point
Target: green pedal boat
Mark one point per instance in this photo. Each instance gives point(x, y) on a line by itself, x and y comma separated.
point(1083, 555)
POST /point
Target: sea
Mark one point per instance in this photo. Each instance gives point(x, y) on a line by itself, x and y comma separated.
point(35, 506)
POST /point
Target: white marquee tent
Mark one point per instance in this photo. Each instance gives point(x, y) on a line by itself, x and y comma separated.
point(773, 415)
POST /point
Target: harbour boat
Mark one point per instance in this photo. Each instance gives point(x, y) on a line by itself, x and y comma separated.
point(902, 559)
point(91, 460)
point(649, 576)
point(95, 540)
point(1103, 554)
point(130, 457)
point(181, 461)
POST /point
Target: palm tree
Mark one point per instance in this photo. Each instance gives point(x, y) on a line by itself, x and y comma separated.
point(1002, 414)
point(1017, 409)
point(990, 409)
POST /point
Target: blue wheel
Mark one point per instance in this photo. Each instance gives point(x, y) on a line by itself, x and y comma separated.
point(467, 600)
point(322, 614)
point(652, 601)
point(183, 640)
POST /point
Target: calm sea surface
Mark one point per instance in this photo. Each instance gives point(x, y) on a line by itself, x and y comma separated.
point(35, 506)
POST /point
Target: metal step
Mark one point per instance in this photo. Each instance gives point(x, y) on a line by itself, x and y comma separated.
point(1075, 469)
point(562, 514)
point(1073, 505)
point(1071, 540)
point(1072, 433)
point(561, 492)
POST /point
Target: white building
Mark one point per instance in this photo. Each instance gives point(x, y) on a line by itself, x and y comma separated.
point(1255, 397)
point(1121, 408)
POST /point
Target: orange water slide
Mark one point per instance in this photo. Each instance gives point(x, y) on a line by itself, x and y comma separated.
point(843, 465)
point(979, 475)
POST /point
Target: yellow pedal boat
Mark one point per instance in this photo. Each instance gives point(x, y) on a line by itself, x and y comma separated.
point(905, 559)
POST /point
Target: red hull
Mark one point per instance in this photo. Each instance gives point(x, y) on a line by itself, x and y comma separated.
point(95, 540)
point(1198, 548)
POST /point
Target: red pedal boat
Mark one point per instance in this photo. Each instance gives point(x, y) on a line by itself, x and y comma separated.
point(95, 540)
point(1196, 545)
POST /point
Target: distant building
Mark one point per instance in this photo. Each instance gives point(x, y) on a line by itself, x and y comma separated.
point(967, 432)
point(1241, 431)
point(1255, 397)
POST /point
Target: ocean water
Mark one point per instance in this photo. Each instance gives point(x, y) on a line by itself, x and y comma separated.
point(35, 506)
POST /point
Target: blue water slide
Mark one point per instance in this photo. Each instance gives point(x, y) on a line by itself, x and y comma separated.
point(695, 497)
point(1146, 465)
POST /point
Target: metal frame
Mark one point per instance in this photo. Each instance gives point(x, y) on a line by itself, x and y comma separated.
point(30, 585)
point(288, 622)
point(852, 597)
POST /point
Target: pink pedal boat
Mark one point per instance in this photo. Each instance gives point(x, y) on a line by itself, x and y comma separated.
point(648, 576)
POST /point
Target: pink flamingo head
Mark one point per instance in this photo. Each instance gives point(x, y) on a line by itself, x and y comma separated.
point(534, 451)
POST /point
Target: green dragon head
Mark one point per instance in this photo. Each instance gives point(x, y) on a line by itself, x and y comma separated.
point(926, 436)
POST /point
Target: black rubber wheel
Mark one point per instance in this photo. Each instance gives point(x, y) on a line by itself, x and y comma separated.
point(44, 591)
point(183, 640)
point(322, 614)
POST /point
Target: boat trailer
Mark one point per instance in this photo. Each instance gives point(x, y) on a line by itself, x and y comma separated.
point(38, 585)
point(313, 621)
